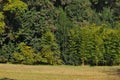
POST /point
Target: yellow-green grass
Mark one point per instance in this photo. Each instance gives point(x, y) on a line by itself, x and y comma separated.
point(46, 72)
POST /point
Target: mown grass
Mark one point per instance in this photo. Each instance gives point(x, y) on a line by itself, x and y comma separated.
point(45, 72)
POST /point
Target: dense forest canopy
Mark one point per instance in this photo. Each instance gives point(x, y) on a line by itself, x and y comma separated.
point(71, 32)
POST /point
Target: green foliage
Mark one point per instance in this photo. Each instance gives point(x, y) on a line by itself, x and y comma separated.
point(6, 52)
point(50, 49)
point(15, 6)
point(60, 31)
point(106, 17)
point(63, 27)
point(116, 10)
point(72, 55)
point(2, 23)
point(80, 11)
point(112, 47)
point(93, 45)
point(24, 54)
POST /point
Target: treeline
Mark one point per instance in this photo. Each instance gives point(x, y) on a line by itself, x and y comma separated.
point(71, 32)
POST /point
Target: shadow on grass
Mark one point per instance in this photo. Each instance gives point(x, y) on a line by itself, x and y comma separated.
point(115, 72)
point(118, 71)
point(7, 79)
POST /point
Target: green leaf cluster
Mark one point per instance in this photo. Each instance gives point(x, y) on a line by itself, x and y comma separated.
point(72, 32)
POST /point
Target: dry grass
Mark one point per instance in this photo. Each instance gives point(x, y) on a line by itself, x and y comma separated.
point(26, 72)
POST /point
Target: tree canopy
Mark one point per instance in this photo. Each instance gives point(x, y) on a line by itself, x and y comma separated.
point(71, 32)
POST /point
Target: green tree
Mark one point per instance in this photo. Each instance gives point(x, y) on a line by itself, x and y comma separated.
point(63, 26)
point(111, 46)
point(80, 12)
point(50, 49)
point(6, 52)
point(24, 54)
point(15, 6)
point(85, 46)
point(72, 56)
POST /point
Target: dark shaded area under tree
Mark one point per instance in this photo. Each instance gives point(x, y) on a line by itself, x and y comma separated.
point(7, 79)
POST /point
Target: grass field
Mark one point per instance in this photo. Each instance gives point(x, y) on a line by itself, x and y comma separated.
point(43, 72)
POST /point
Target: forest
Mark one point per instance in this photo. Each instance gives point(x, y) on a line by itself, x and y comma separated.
point(55, 32)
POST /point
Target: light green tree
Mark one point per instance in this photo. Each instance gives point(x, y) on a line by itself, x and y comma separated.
point(50, 49)
point(24, 54)
point(15, 6)
point(2, 23)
